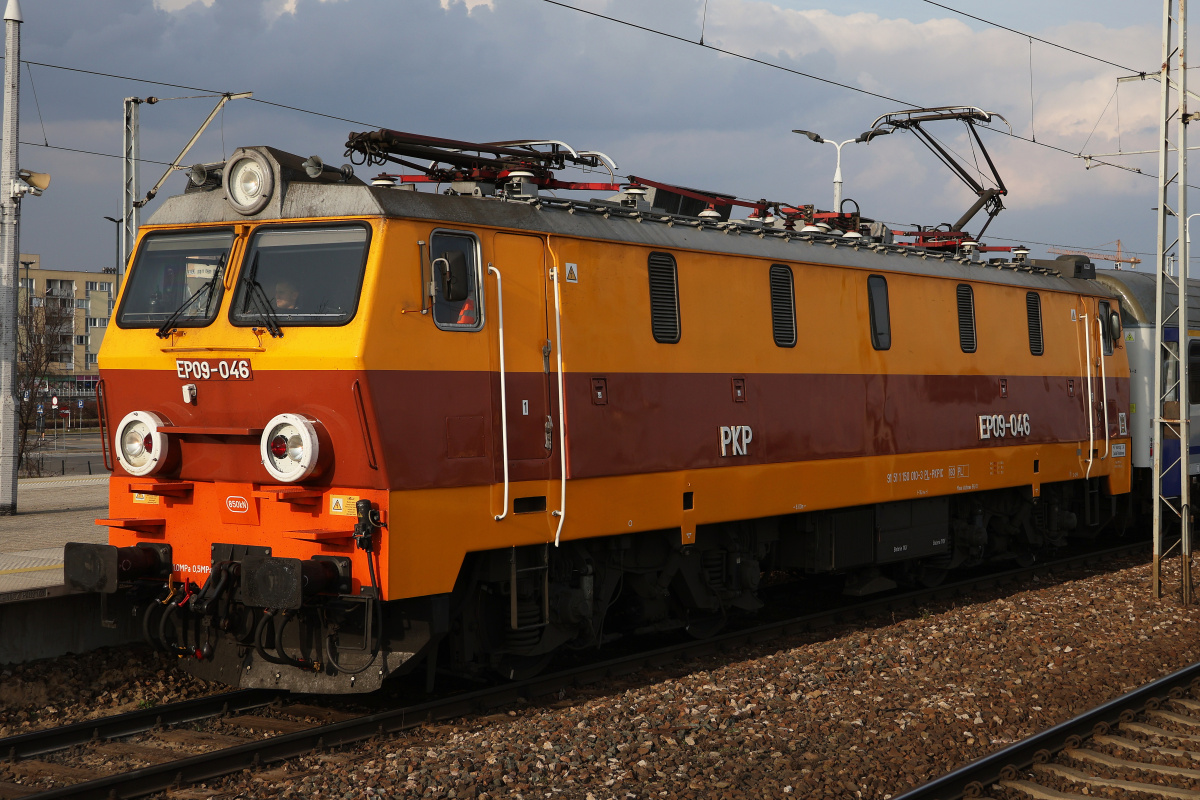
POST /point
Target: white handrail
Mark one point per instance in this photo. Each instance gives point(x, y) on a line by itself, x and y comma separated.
point(1103, 388)
point(1091, 392)
point(561, 513)
point(503, 391)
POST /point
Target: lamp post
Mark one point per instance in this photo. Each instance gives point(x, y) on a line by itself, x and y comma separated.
point(117, 262)
point(867, 136)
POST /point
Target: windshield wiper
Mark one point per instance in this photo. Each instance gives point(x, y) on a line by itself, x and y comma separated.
point(209, 286)
point(256, 293)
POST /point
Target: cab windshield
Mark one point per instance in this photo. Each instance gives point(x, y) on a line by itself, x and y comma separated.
point(172, 269)
point(301, 276)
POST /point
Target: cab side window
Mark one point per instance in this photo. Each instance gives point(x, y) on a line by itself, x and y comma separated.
point(457, 303)
point(1106, 334)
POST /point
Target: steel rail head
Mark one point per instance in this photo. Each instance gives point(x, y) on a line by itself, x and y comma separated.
point(207, 766)
point(50, 740)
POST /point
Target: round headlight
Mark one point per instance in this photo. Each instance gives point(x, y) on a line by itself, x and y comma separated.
point(289, 448)
point(140, 444)
point(249, 181)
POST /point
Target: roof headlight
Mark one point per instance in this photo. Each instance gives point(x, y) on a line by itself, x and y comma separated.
point(289, 448)
point(140, 445)
point(249, 181)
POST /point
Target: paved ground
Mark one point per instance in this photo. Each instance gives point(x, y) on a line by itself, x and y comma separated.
point(53, 511)
point(73, 453)
point(50, 513)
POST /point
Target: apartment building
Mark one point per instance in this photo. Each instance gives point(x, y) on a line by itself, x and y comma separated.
point(82, 303)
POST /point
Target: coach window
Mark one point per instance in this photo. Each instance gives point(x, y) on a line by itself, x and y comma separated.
point(664, 298)
point(297, 276)
point(783, 306)
point(457, 305)
point(881, 318)
point(1193, 374)
point(176, 275)
point(966, 318)
point(1033, 313)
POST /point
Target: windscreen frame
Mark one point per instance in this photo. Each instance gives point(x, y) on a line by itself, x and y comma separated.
point(249, 319)
point(128, 287)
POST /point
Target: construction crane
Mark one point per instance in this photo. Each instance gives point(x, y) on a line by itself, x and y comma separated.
point(1102, 256)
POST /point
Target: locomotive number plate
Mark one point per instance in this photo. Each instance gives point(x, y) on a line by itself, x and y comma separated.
point(214, 369)
point(998, 426)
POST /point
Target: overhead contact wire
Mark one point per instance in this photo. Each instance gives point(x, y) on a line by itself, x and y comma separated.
point(723, 51)
point(1032, 37)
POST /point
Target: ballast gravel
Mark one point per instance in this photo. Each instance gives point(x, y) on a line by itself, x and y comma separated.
point(43, 694)
point(860, 712)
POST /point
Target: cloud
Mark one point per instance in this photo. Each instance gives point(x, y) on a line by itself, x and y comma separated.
point(663, 108)
point(470, 4)
point(179, 5)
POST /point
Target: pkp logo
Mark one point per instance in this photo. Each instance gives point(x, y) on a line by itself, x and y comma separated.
point(236, 504)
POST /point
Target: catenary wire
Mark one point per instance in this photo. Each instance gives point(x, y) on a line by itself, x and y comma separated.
point(36, 103)
point(685, 40)
point(213, 92)
point(92, 153)
point(731, 53)
point(1034, 38)
point(620, 22)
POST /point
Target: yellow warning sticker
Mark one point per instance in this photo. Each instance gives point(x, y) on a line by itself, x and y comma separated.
point(147, 499)
point(342, 505)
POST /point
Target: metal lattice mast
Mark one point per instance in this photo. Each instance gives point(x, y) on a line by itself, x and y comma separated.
point(1171, 421)
point(130, 194)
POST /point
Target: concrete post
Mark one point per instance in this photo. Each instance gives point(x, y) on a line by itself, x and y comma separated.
point(10, 205)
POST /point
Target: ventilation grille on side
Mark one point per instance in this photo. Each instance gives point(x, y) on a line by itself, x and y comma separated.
point(664, 298)
point(1033, 309)
point(966, 318)
point(783, 306)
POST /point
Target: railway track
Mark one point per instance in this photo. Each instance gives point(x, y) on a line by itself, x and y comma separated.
point(158, 749)
point(1143, 744)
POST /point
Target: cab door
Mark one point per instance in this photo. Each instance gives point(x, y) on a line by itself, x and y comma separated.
point(521, 262)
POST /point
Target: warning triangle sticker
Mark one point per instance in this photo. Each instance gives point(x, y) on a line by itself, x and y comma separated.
point(572, 273)
point(336, 505)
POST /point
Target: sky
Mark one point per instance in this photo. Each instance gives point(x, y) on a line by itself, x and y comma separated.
point(664, 108)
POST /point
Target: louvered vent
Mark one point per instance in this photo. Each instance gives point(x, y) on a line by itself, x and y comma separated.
point(1033, 310)
point(664, 298)
point(966, 318)
point(783, 306)
point(881, 315)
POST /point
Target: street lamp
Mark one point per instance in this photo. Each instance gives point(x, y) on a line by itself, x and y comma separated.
point(117, 263)
point(867, 136)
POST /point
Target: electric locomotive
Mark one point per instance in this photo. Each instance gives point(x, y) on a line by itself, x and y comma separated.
point(360, 428)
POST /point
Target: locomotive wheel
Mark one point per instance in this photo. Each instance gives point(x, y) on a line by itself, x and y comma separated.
point(705, 627)
point(932, 576)
point(519, 668)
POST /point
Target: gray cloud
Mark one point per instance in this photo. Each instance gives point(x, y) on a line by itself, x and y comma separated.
point(520, 68)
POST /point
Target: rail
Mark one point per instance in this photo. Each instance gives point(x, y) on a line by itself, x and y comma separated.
point(50, 740)
point(206, 766)
point(972, 779)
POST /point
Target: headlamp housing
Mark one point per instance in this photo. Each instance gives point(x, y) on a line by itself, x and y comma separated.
point(249, 181)
point(290, 448)
point(140, 444)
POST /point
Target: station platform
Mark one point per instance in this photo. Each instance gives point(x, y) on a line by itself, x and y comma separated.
point(39, 618)
point(50, 513)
